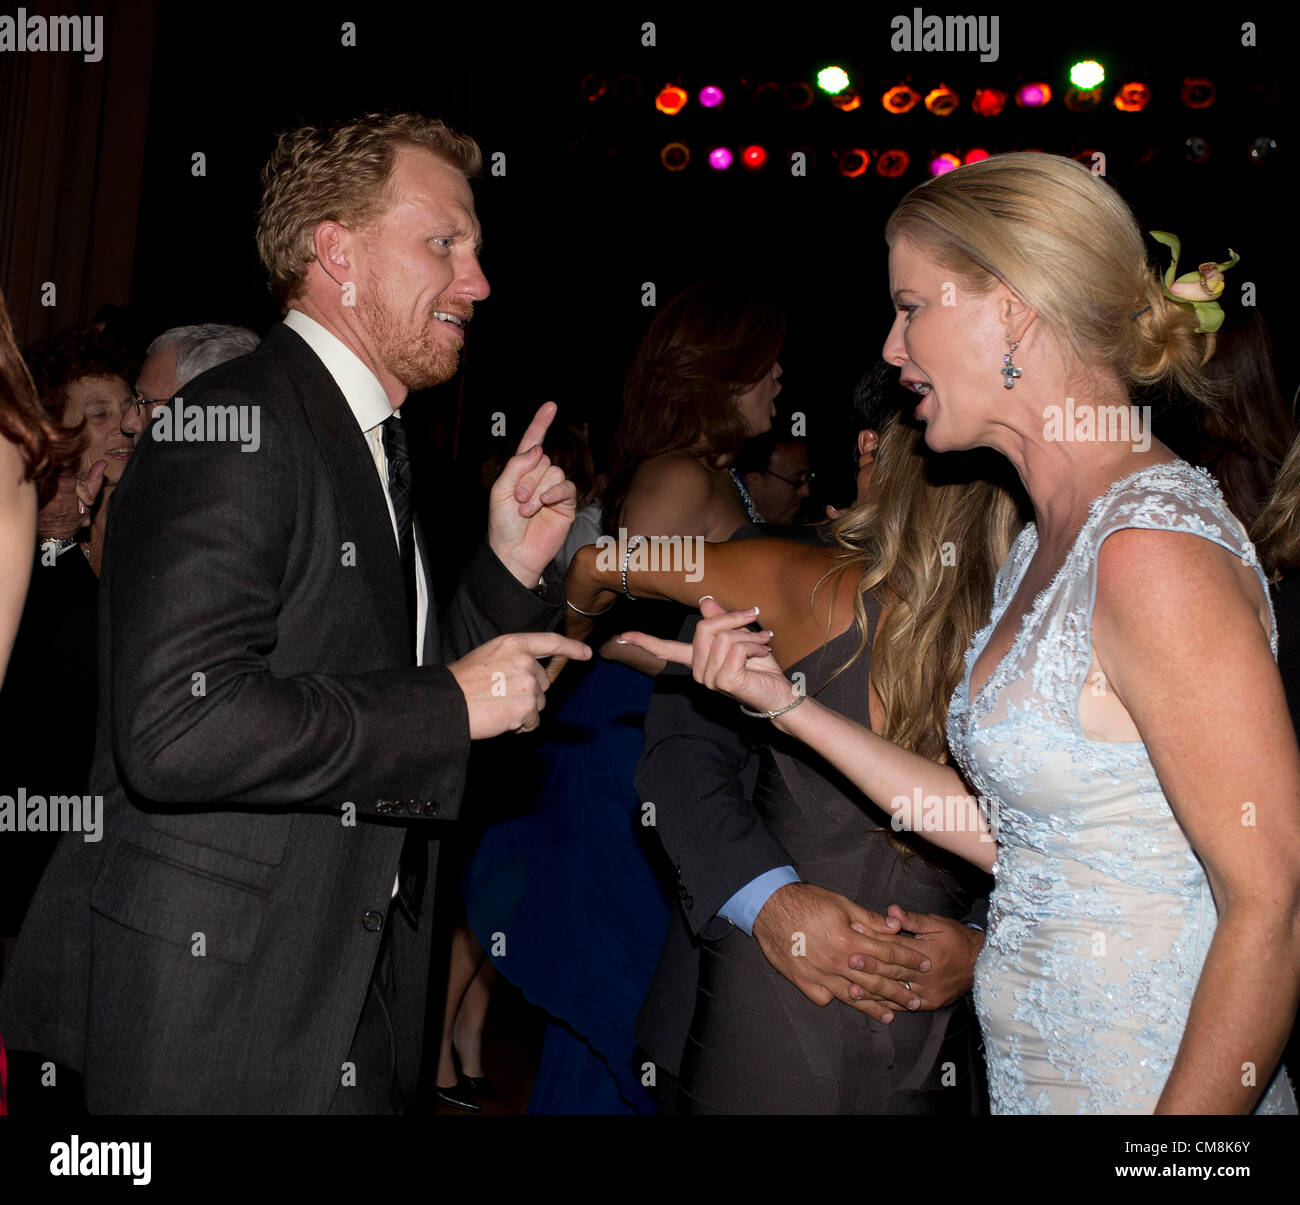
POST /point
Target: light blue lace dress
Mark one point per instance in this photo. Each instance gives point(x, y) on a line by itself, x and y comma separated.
point(1101, 915)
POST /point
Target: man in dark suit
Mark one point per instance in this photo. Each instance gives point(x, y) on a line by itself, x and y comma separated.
point(284, 722)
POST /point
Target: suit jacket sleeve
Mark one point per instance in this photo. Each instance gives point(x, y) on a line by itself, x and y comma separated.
point(490, 601)
point(691, 769)
point(233, 632)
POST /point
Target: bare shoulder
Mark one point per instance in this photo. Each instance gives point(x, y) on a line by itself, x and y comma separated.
point(13, 472)
point(671, 472)
point(1159, 582)
point(675, 494)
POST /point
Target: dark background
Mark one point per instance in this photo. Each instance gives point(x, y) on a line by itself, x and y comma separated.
point(585, 213)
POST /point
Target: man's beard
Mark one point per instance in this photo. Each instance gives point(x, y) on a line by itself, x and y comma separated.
point(418, 360)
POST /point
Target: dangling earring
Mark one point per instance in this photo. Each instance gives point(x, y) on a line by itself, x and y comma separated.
point(1009, 370)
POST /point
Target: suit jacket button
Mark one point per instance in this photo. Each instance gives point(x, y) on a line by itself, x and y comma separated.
point(383, 806)
point(374, 921)
point(430, 807)
point(398, 806)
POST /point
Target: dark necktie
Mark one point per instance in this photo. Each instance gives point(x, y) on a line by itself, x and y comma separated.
point(399, 490)
point(415, 848)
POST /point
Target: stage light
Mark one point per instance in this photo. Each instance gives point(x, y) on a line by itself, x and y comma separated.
point(832, 79)
point(942, 164)
point(1087, 75)
point(592, 87)
point(975, 154)
point(988, 102)
point(1261, 148)
point(900, 99)
point(798, 95)
point(1198, 149)
point(1033, 96)
point(1080, 102)
point(942, 100)
point(767, 97)
point(671, 99)
point(711, 96)
point(1197, 93)
point(1132, 98)
point(892, 164)
point(1090, 158)
point(753, 157)
point(675, 156)
point(719, 158)
point(854, 162)
point(847, 101)
point(627, 87)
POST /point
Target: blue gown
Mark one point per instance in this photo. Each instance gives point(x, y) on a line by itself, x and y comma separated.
point(567, 904)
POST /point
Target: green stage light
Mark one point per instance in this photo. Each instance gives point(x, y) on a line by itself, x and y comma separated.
point(1087, 75)
point(832, 79)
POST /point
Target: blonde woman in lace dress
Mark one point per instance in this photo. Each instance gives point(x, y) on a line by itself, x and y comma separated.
point(1130, 774)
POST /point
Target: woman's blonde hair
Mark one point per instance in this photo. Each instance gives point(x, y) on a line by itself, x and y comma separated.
point(928, 542)
point(1064, 241)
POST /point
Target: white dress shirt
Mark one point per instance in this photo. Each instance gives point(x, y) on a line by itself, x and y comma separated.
point(370, 407)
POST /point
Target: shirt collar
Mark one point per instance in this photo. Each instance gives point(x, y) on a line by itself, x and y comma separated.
point(365, 395)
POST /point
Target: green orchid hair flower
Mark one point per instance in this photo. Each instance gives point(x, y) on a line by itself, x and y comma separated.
point(1200, 289)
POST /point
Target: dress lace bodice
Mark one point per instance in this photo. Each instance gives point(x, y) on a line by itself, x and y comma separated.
point(1102, 914)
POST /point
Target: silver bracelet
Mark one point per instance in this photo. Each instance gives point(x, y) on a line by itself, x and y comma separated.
point(771, 715)
point(589, 614)
point(627, 556)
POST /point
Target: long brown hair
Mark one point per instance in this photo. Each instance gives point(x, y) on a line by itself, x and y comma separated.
point(707, 346)
point(1244, 439)
point(1276, 530)
point(929, 542)
point(45, 447)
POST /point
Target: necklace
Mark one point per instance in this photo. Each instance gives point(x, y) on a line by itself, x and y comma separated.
point(750, 509)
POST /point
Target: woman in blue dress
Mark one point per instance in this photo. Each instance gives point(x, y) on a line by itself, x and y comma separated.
point(568, 900)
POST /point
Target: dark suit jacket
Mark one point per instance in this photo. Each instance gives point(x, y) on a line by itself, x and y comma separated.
point(263, 744)
point(699, 768)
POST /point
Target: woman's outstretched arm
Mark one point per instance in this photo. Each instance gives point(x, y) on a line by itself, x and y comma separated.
point(781, 576)
point(920, 794)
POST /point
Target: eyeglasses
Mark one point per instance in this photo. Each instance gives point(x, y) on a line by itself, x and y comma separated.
point(798, 482)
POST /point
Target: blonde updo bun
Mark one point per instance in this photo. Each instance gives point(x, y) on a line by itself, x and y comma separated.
point(1064, 241)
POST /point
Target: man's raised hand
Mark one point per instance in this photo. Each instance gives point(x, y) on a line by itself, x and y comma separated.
point(531, 506)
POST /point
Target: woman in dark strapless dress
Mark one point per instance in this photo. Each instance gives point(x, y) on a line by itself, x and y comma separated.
point(757, 1044)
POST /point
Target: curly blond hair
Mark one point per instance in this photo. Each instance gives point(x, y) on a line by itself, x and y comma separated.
point(339, 173)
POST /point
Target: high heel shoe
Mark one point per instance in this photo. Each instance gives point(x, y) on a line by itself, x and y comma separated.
point(458, 1097)
point(476, 1085)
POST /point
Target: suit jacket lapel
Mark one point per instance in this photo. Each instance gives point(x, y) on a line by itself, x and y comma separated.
point(363, 508)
